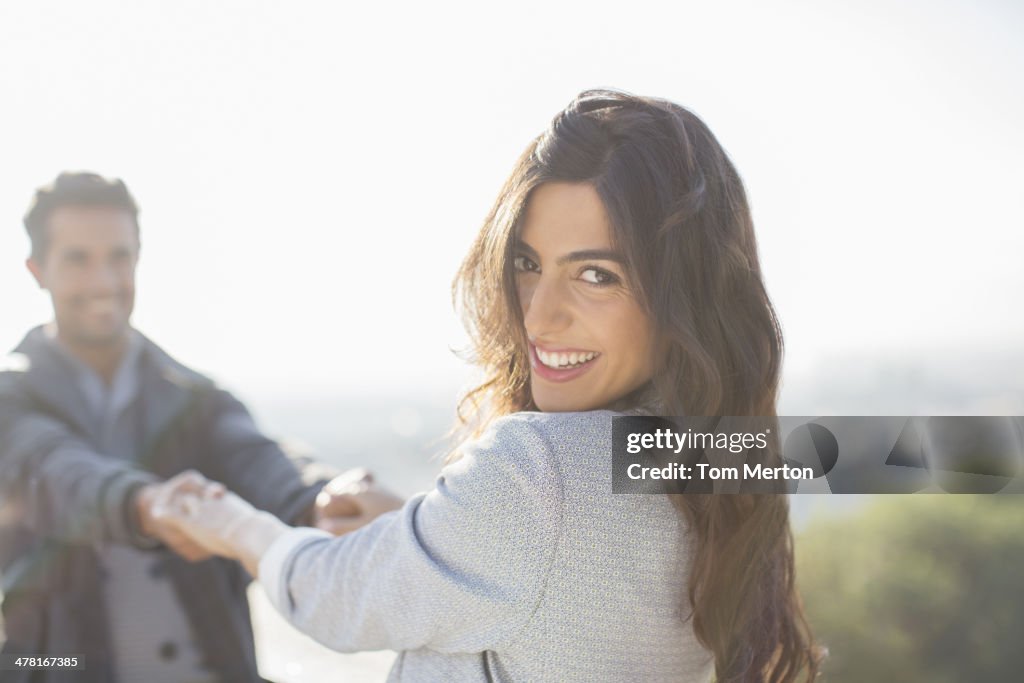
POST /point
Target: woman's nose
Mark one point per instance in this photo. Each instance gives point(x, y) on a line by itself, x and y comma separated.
point(545, 307)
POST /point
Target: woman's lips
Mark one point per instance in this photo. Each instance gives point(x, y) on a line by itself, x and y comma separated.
point(558, 375)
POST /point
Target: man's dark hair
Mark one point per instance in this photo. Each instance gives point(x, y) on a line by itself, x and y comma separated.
point(74, 189)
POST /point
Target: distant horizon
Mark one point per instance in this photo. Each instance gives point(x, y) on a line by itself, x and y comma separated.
point(940, 378)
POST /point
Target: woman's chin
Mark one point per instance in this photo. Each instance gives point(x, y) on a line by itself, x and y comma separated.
point(548, 403)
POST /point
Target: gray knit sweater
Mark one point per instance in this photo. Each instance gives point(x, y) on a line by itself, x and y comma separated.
point(520, 565)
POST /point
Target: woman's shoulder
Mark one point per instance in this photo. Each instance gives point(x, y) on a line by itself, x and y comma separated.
point(556, 438)
point(535, 437)
point(559, 426)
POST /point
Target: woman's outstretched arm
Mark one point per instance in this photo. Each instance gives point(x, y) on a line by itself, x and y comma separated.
point(459, 569)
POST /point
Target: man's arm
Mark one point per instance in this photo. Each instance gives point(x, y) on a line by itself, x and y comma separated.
point(254, 466)
point(66, 489)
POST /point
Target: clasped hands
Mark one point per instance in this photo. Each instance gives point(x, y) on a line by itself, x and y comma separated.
point(196, 517)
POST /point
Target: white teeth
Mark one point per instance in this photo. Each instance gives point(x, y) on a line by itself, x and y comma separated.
point(565, 360)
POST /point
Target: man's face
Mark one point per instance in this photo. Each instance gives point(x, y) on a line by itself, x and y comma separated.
point(89, 270)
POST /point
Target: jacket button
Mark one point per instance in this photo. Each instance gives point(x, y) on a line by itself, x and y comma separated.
point(156, 570)
point(168, 650)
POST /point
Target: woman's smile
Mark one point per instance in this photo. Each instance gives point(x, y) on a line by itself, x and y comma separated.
point(561, 364)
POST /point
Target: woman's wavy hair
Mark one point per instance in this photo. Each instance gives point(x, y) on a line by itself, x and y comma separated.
point(679, 214)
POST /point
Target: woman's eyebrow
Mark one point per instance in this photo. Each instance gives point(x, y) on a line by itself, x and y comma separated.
point(572, 257)
point(591, 255)
point(526, 249)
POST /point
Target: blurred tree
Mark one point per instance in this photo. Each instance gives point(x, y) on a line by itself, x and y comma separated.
point(918, 588)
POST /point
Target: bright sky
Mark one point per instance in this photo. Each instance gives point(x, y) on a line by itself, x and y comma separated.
point(311, 174)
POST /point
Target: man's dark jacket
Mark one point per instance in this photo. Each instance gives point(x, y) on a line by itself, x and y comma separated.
point(59, 496)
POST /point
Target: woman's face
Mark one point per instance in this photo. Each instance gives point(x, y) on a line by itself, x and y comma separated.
point(590, 343)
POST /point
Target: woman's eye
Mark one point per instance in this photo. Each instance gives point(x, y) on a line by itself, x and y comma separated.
point(597, 276)
point(524, 265)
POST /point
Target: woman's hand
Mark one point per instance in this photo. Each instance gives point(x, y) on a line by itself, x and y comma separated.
point(216, 519)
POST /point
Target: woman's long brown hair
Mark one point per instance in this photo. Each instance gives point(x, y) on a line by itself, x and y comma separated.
point(679, 213)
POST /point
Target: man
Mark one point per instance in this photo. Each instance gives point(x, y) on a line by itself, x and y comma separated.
point(92, 421)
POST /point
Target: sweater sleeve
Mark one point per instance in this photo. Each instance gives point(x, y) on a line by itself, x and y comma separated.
point(460, 568)
point(67, 490)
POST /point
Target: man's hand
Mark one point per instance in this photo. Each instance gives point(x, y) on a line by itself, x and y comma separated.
point(352, 500)
point(161, 529)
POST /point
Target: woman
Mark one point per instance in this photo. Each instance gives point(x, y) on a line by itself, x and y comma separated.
point(617, 271)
